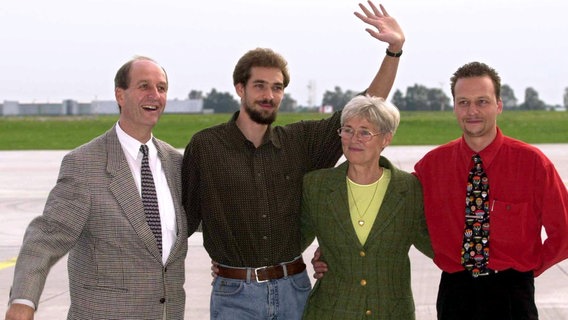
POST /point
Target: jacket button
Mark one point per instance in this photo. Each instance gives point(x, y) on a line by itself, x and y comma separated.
point(368, 313)
point(162, 300)
point(363, 282)
point(362, 253)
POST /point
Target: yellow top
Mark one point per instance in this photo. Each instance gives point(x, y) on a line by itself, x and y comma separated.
point(364, 203)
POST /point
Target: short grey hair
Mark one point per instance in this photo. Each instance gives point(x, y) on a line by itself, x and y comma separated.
point(382, 114)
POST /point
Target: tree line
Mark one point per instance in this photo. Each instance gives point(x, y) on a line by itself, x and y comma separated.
point(416, 98)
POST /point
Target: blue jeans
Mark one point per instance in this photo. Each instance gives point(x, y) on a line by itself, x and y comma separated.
point(283, 298)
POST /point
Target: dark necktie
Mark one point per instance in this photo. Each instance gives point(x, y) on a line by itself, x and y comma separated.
point(149, 198)
point(475, 249)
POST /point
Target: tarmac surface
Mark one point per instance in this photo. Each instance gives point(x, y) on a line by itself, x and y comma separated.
point(26, 177)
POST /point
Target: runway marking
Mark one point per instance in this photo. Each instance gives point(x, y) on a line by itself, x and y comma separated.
point(8, 263)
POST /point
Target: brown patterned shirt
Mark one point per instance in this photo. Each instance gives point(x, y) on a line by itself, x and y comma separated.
point(248, 199)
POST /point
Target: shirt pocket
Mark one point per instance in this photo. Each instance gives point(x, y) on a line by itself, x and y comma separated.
point(508, 222)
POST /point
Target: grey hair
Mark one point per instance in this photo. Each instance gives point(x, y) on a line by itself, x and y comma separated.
point(380, 113)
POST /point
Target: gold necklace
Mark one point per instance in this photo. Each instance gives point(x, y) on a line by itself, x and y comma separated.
point(361, 221)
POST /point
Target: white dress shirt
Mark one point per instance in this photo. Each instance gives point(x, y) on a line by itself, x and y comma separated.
point(131, 148)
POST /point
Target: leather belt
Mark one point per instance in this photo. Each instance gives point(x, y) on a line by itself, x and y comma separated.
point(263, 274)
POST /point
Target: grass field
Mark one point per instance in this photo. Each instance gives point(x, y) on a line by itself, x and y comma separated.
point(416, 128)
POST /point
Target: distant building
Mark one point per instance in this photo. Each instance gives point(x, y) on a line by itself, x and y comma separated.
point(326, 109)
point(104, 107)
point(184, 106)
point(9, 108)
point(97, 107)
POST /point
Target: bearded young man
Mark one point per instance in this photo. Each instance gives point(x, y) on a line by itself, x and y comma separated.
point(242, 180)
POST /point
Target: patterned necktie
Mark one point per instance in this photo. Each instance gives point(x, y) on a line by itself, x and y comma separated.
point(149, 198)
point(475, 249)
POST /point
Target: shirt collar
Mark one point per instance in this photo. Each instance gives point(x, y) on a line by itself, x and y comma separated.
point(269, 136)
point(488, 153)
point(131, 145)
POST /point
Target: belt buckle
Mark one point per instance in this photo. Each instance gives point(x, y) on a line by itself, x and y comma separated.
point(487, 272)
point(256, 275)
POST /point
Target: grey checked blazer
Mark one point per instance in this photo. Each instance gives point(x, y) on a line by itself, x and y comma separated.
point(95, 213)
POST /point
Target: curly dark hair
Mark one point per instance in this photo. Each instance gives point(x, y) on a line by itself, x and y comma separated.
point(259, 57)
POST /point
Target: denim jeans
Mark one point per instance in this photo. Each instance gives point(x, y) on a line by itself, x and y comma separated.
point(283, 298)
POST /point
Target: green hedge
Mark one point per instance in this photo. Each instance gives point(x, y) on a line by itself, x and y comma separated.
point(416, 128)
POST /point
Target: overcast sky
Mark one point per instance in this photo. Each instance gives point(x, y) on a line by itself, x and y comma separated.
point(71, 49)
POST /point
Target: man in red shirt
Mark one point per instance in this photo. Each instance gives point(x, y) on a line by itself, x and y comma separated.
point(525, 194)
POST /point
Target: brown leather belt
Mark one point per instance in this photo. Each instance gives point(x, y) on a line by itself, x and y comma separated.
point(263, 274)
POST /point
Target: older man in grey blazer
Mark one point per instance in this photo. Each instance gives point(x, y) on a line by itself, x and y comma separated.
point(119, 267)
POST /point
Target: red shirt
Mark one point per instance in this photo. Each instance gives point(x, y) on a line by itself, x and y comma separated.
point(525, 191)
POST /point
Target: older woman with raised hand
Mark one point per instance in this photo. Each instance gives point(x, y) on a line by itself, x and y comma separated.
point(366, 214)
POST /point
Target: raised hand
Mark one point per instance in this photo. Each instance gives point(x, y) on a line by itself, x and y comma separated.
point(387, 29)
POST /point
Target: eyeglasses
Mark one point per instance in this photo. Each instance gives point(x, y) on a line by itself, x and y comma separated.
point(362, 134)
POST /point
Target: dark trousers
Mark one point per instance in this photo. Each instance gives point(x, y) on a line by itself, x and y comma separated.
point(505, 295)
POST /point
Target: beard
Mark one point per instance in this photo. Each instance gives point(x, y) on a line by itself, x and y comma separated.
point(259, 116)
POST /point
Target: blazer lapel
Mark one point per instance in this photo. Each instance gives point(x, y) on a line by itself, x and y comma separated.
point(391, 203)
point(124, 189)
point(339, 202)
point(173, 177)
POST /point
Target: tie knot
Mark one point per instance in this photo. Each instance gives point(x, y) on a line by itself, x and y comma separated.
point(144, 150)
point(476, 159)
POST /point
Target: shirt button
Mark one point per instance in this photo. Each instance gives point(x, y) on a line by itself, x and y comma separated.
point(264, 216)
point(264, 237)
point(363, 282)
point(362, 253)
point(162, 300)
point(368, 313)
